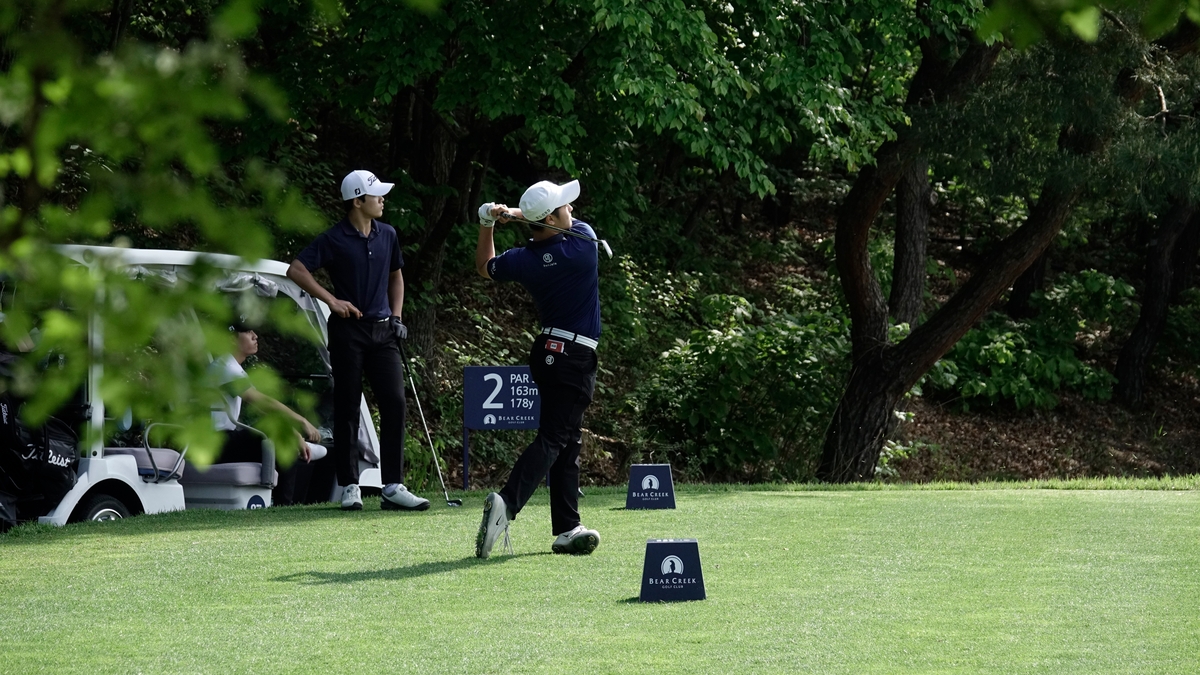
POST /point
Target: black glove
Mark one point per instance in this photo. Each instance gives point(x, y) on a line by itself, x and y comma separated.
point(398, 328)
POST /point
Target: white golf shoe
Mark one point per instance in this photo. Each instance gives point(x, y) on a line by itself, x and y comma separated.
point(351, 498)
point(397, 497)
point(494, 524)
point(580, 541)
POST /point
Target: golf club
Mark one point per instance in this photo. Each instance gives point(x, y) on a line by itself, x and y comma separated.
point(428, 437)
point(571, 233)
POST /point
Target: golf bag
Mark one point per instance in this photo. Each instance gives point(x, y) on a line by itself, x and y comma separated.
point(37, 466)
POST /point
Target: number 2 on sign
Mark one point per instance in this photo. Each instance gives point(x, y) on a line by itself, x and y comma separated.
point(499, 383)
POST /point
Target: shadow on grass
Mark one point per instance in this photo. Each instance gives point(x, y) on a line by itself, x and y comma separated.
point(315, 578)
point(203, 520)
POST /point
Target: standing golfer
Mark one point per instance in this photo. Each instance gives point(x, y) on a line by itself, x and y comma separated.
point(562, 275)
point(364, 260)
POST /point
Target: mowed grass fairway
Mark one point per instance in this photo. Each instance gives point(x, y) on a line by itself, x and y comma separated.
point(1004, 579)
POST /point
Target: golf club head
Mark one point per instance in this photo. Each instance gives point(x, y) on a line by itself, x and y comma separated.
point(453, 502)
point(606, 248)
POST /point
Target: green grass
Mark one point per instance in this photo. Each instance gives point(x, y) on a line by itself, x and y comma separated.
point(885, 580)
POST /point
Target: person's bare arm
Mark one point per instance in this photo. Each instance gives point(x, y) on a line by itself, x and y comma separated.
point(264, 402)
point(485, 250)
point(396, 292)
point(298, 273)
point(485, 247)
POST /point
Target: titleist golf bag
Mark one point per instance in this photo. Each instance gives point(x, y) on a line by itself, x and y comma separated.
point(37, 466)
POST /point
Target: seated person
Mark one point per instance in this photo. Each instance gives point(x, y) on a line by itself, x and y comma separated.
point(243, 445)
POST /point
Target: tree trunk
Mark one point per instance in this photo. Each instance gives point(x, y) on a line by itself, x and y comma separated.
point(898, 367)
point(118, 17)
point(465, 180)
point(428, 150)
point(935, 81)
point(1032, 279)
point(852, 444)
point(448, 162)
point(862, 419)
point(1184, 258)
point(1134, 362)
point(864, 413)
point(913, 204)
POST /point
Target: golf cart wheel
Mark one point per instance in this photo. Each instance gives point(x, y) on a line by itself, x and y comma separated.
point(103, 508)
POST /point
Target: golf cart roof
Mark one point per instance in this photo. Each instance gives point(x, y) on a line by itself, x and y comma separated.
point(165, 264)
point(144, 256)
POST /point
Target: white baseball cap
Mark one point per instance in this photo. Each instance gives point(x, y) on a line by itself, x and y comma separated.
point(361, 183)
point(543, 197)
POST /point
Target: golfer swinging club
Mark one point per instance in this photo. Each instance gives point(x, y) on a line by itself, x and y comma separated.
point(562, 275)
point(363, 257)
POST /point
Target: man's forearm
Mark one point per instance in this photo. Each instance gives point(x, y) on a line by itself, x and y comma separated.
point(298, 273)
point(264, 402)
point(485, 250)
point(396, 293)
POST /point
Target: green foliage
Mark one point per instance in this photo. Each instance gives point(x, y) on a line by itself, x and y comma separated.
point(750, 394)
point(641, 306)
point(1025, 363)
point(726, 88)
point(485, 344)
point(894, 451)
point(92, 139)
point(1028, 21)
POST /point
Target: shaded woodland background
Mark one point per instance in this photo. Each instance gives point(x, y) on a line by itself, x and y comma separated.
point(855, 240)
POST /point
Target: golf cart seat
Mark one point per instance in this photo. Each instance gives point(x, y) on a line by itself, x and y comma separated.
point(236, 474)
point(155, 465)
point(232, 485)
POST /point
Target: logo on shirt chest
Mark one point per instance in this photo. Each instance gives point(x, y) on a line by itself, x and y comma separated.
point(547, 258)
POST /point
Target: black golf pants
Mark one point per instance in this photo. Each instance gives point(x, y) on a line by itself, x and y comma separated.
point(565, 383)
point(358, 348)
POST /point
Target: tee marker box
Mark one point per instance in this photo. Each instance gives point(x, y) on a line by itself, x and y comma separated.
point(650, 487)
point(671, 571)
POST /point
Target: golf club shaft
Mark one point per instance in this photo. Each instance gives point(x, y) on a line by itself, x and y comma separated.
point(437, 464)
point(570, 233)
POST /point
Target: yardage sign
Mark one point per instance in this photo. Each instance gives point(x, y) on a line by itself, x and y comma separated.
point(671, 571)
point(497, 397)
point(500, 397)
point(650, 487)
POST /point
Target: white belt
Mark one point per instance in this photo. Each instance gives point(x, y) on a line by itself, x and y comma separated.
point(571, 337)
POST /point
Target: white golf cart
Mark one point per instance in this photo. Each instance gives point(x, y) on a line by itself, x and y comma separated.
point(116, 482)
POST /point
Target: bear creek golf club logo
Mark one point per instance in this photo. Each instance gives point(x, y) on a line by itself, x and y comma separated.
point(672, 574)
point(650, 489)
point(489, 419)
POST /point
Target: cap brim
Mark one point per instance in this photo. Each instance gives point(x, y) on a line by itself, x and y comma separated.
point(569, 193)
point(380, 189)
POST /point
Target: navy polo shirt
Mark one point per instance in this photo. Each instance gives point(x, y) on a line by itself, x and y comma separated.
point(562, 274)
point(358, 265)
